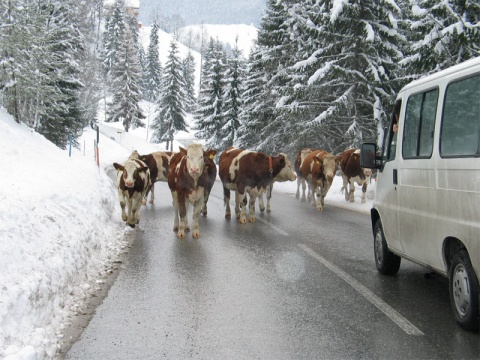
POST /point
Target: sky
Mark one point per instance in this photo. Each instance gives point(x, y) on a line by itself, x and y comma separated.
point(196, 12)
point(62, 234)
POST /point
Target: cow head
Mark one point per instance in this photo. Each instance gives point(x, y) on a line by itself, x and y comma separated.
point(287, 173)
point(328, 165)
point(131, 169)
point(195, 160)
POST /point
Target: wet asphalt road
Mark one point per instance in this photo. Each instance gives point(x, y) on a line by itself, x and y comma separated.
point(297, 284)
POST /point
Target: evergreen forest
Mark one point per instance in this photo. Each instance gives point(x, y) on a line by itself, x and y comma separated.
point(321, 74)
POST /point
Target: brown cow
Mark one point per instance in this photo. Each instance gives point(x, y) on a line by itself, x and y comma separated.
point(158, 162)
point(210, 169)
point(300, 179)
point(187, 181)
point(133, 179)
point(352, 173)
point(286, 174)
point(318, 168)
point(245, 172)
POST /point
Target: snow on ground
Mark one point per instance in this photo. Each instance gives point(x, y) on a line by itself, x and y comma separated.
point(61, 230)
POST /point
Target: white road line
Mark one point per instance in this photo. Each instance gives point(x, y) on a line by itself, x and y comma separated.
point(274, 227)
point(403, 323)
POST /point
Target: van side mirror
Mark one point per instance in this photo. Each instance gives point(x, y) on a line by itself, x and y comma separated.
point(368, 157)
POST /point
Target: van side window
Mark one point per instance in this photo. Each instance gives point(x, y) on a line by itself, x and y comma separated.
point(460, 132)
point(419, 125)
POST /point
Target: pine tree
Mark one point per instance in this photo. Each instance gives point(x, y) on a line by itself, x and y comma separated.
point(209, 116)
point(62, 118)
point(114, 28)
point(171, 115)
point(153, 73)
point(234, 77)
point(344, 84)
point(126, 77)
point(442, 34)
point(189, 76)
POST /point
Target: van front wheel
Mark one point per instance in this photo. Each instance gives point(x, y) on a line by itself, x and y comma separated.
point(387, 262)
point(464, 291)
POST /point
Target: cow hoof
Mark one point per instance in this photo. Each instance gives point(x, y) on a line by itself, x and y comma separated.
point(269, 211)
point(243, 220)
point(151, 201)
point(175, 229)
point(228, 216)
point(252, 219)
point(124, 218)
point(180, 235)
point(144, 202)
point(196, 234)
point(187, 229)
point(132, 226)
point(262, 210)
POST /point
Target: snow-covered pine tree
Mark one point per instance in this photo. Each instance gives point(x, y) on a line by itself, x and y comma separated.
point(153, 74)
point(209, 115)
point(443, 33)
point(255, 111)
point(275, 53)
point(126, 77)
point(232, 105)
point(65, 44)
point(189, 76)
point(170, 117)
point(345, 80)
point(114, 28)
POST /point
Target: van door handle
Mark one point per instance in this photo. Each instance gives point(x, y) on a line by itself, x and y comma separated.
point(395, 176)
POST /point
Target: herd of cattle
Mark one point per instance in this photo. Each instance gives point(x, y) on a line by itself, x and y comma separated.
point(191, 173)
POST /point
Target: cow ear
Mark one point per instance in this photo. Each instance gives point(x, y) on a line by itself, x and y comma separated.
point(317, 160)
point(118, 167)
point(211, 153)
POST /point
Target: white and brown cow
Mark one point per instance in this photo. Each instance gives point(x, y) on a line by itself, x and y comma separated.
point(286, 174)
point(158, 162)
point(187, 181)
point(318, 168)
point(133, 180)
point(245, 171)
point(352, 173)
point(300, 179)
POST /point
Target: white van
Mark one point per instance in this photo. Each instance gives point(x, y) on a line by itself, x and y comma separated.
point(427, 200)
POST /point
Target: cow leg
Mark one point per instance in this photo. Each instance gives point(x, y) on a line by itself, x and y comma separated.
point(123, 204)
point(182, 210)
point(261, 204)
point(351, 191)
point(204, 207)
point(320, 201)
point(187, 206)
point(196, 214)
point(251, 209)
point(304, 187)
point(240, 202)
point(136, 206)
point(152, 194)
point(226, 201)
point(242, 215)
point(345, 187)
point(175, 207)
point(364, 192)
point(268, 204)
point(130, 213)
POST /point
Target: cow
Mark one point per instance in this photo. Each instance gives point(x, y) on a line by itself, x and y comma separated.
point(187, 181)
point(300, 179)
point(158, 162)
point(245, 171)
point(286, 174)
point(210, 169)
point(352, 173)
point(318, 168)
point(133, 180)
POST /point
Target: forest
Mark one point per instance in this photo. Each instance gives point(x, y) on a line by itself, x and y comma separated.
point(322, 73)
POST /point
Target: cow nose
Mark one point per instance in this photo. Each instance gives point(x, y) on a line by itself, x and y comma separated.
point(330, 178)
point(129, 184)
point(194, 170)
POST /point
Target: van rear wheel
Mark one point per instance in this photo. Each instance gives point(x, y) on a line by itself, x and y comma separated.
point(387, 262)
point(464, 291)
